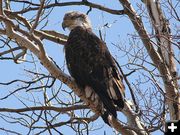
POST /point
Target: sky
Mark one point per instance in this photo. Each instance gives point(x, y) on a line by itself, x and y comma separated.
point(119, 33)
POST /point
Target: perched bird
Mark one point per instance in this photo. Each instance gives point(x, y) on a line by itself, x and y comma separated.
point(91, 65)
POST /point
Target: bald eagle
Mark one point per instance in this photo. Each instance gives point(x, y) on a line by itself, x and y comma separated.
point(91, 65)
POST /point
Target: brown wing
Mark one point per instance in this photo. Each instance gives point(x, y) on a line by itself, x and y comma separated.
point(116, 86)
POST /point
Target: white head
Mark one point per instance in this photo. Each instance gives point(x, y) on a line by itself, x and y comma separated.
point(74, 18)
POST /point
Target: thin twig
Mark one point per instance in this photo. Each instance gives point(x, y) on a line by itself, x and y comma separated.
point(37, 17)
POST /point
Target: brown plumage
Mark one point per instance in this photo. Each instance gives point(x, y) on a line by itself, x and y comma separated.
point(91, 64)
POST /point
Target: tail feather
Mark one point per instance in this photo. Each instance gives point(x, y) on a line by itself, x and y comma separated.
point(108, 104)
point(105, 117)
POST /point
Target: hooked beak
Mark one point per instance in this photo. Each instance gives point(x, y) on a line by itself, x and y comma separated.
point(64, 26)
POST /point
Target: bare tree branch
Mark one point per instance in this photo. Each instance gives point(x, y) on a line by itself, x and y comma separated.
point(171, 90)
point(86, 3)
point(49, 105)
point(57, 109)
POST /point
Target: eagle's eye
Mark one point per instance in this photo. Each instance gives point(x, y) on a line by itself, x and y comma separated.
point(73, 17)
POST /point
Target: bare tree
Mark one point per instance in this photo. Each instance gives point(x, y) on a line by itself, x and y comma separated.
point(150, 72)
